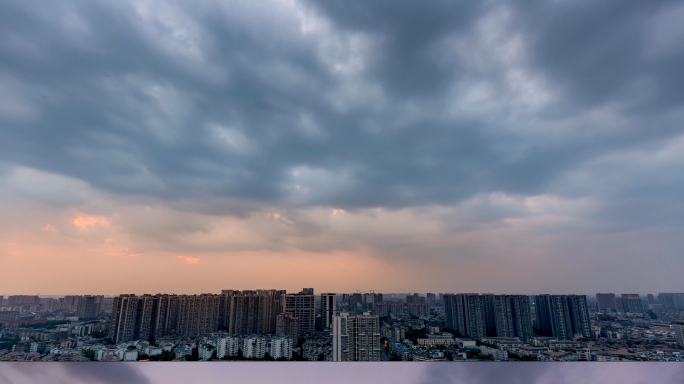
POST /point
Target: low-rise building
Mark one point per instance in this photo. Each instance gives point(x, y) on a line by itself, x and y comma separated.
point(254, 347)
point(464, 342)
point(401, 350)
point(205, 351)
point(496, 354)
point(281, 347)
point(431, 342)
point(228, 346)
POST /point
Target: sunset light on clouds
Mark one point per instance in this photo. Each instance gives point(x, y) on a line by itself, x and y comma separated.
point(87, 221)
point(189, 260)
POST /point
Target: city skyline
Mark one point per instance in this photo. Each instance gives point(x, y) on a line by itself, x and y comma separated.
point(272, 324)
point(150, 146)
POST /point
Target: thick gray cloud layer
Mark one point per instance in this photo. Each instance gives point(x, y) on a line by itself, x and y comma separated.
point(367, 107)
point(233, 108)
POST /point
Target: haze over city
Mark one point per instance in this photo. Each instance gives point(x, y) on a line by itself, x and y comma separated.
point(158, 147)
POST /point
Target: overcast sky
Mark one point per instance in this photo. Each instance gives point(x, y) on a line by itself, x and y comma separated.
point(343, 373)
point(442, 146)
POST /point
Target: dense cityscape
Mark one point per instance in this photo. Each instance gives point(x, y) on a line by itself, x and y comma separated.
point(272, 325)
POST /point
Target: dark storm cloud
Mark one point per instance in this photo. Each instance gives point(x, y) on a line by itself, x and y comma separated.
point(223, 104)
point(608, 51)
point(407, 64)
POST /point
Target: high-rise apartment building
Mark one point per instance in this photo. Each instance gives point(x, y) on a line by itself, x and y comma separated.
point(328, 307)
point(398, 332)
point(475, 325)
point(465, 314)
point(606, 301)
point(679, 334)
point(303, 306)
point(563, 316)
point(414, 298)
point(288, 325)
point(147, 316)
point(147, 306)
point(553, 316)
point(431, 299)
point(341, 337)
point(88, 307)
point(123, 325)
point(452, 311)
point(22, 300)
point(629, 303)
point(356, 337)
point(387, 308)
point(488, 312)
point(512, 316)
point(671, 300)
point(418, 309)
point(355, 298)
point(166, 315)
point(579, 312)
point(249, 314)
point(198, 314)
point(161, 315)
point(9, 316)
point(69, 302)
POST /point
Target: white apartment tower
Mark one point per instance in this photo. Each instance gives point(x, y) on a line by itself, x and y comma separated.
point(254, 347)
point(228, 346)
point(281, 346)
point(356, 338)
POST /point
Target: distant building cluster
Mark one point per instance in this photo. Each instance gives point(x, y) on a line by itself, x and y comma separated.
point(85, 305)
point(476, 316)
point(237, 312)
point(269, 324)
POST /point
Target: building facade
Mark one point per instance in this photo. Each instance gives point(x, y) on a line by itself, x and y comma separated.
point(228, 346)
point(288, 325)
point(328, 307)
point(281, 347)
point(512, 316)
point(563, 316)
point(355, 337)
point(303, 305)
point(606, 302)
point(630, 304)
point(465, 314)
